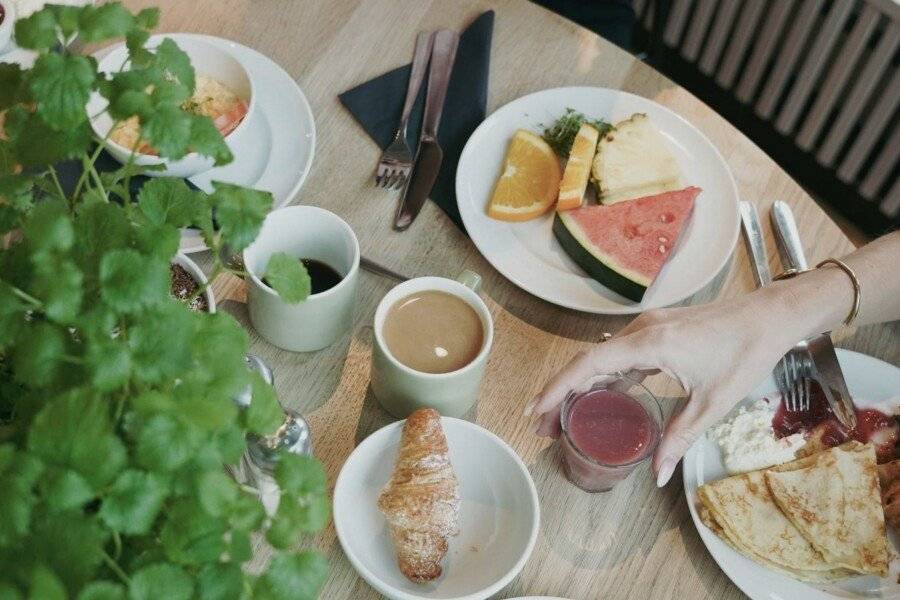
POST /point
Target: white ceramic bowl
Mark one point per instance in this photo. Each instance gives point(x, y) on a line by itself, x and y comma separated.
point(499, 515)
point(199, 276)
point(6, 26)
point(207, 59)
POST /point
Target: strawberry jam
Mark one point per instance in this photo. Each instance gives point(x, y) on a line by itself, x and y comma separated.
point(819, 421)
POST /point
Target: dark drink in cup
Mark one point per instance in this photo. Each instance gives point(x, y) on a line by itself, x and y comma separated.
point(610, 425)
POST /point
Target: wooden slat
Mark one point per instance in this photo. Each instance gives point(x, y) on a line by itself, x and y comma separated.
point(649, 11)
point(763, 48)
point(638, 6)
point(787, 58)
point(872, 130)
point(891, 204)
point(881, 169)
point(703, 12)
point(853, 104)
point(718, 35)
point(675, 25)
point(744, 32)
point(838, 76)
point(815, 60)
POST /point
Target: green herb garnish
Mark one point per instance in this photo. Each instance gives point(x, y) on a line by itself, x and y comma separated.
point(562, 133)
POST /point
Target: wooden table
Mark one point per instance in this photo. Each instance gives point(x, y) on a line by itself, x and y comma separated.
point(636, 542)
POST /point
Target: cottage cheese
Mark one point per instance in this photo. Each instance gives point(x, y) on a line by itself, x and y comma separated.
point(748, 442)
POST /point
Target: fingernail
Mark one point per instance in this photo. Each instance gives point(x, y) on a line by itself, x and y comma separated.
point(529, 408)
point(536, 429)
point(666, 468)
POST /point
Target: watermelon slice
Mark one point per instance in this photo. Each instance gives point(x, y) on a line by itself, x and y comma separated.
point(624, 245)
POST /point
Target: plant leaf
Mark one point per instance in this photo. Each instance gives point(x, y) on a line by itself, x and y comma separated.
point(133, 502)
point(109, 363)
point(37, 357)
point(64, 489)
point(61, 85)
point(167, 201)
point(58, 283)
point(190, 536)
point(36, 144)
point(175, 63)
point(207, 140)
point(104, 22)
point(297, 576)
point(220, 581)
point(37, 31)
point(287, 275)
point(102, 590)
point(264, 414)
point(216, 492)
point(168, 130)
point(46, 585)
point(70, 544)
point(147, 18)
point(130, 281)
point(161, 341)
point(10, 84)
point(49, 227)
point(298, 475)
point(240, 213)
point(164, 444)
point(160, 581)
point(17, 482)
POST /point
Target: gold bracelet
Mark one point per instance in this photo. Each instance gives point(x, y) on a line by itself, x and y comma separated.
point(857, 291)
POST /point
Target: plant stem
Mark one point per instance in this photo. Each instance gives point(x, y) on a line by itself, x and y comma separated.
point(27, 297)
point(115, 568)
point(117, 542)
point(87, 166)
point(55, 179)
point(202, 288)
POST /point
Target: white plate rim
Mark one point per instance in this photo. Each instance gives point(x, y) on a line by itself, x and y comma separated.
point(561, 301)
point(383, 588)
point(714, 546)
point(191, 240)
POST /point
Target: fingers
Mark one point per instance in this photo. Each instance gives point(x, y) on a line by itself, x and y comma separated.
point(618, 354)
point(680, 433)
point(548, 423)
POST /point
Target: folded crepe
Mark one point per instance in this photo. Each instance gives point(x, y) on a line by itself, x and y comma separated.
point(834, 500)
point(815, 519)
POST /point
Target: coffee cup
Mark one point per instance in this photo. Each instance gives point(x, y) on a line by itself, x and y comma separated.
point(401, 388)
point(312, 234)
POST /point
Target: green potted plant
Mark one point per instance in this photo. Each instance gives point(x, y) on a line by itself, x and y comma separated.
point(116, 400)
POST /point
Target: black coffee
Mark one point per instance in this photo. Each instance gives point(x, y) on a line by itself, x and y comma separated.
point(322, 276)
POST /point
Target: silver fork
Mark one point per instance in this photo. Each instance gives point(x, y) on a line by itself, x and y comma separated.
point(792, 376)
point(396, 160)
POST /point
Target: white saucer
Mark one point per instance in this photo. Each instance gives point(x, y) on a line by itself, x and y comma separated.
point(277, 151)
point(499, 515)
point(872, 383)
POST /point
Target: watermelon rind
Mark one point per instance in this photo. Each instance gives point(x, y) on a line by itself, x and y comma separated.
point(601, 266)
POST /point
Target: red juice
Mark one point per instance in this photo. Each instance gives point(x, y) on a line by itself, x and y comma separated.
point(606, 434)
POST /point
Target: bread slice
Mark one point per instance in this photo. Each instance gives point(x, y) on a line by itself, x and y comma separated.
point(632, 161)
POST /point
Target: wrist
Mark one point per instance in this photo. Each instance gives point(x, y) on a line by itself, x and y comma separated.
point(810, 303)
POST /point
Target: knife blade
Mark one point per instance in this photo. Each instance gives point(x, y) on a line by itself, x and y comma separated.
point(826, 369)
point(429, 155)
point(755, 244)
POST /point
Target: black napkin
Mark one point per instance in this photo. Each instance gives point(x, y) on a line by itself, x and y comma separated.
point(378, 103)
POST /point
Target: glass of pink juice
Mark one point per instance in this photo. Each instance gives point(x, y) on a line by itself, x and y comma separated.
point(610, 425)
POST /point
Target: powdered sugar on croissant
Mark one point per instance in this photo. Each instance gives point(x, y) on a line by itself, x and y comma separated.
point(421, 500)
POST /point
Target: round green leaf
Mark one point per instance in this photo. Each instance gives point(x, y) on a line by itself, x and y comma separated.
point(220, 581)
point(297, 576)
point(288, 276)
point(217, 492)
point(102, 590)
point(129, 280)
point(61, 85)
point(164, 444)
point(46, 585)
point(134, 501)
point(160, 581)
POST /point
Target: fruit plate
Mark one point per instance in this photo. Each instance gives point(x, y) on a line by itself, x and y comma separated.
point(499, 515)
point(528, 254)
point(872, 383)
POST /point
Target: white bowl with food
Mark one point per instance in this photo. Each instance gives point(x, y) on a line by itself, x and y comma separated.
point(7, 19)
point(395, 528)
point(223, 92)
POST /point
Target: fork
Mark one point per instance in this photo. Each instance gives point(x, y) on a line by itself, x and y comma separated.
point(792, 376)
point(396, 160)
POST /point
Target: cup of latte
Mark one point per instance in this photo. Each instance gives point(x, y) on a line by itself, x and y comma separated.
point(432, 340)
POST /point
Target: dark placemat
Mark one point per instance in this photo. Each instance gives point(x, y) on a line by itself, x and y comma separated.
point(378, 104)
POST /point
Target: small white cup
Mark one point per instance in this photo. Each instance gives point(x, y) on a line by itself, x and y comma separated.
point(401, 389)
point(304, 232)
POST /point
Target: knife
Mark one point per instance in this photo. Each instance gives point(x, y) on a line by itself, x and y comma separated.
point(755, 244)
point(429, 154)
point(826, 369)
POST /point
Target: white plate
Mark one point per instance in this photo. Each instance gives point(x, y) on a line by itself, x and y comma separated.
point(527, 253)
point(276, 152)
point(871, 381)
point(499, 515)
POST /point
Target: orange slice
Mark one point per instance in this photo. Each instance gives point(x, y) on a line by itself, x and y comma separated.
point(578, 168)
point(530, 180)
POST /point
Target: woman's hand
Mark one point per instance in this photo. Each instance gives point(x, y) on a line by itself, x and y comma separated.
point(717, 352)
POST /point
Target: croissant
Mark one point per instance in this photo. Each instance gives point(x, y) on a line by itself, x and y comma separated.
point(421, 500)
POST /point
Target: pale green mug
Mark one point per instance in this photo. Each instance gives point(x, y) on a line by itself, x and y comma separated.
point(400, 389)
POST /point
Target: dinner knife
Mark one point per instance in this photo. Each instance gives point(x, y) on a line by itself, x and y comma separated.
point(755, 244)
point(429, 154)
point(826, 369)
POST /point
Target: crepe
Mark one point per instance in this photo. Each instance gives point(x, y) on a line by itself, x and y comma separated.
point(833, 498)
point(742, 512)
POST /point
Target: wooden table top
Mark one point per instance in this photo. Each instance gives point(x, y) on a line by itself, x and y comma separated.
point(635, 542)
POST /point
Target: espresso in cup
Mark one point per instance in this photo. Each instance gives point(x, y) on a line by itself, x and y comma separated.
point(433, 332)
